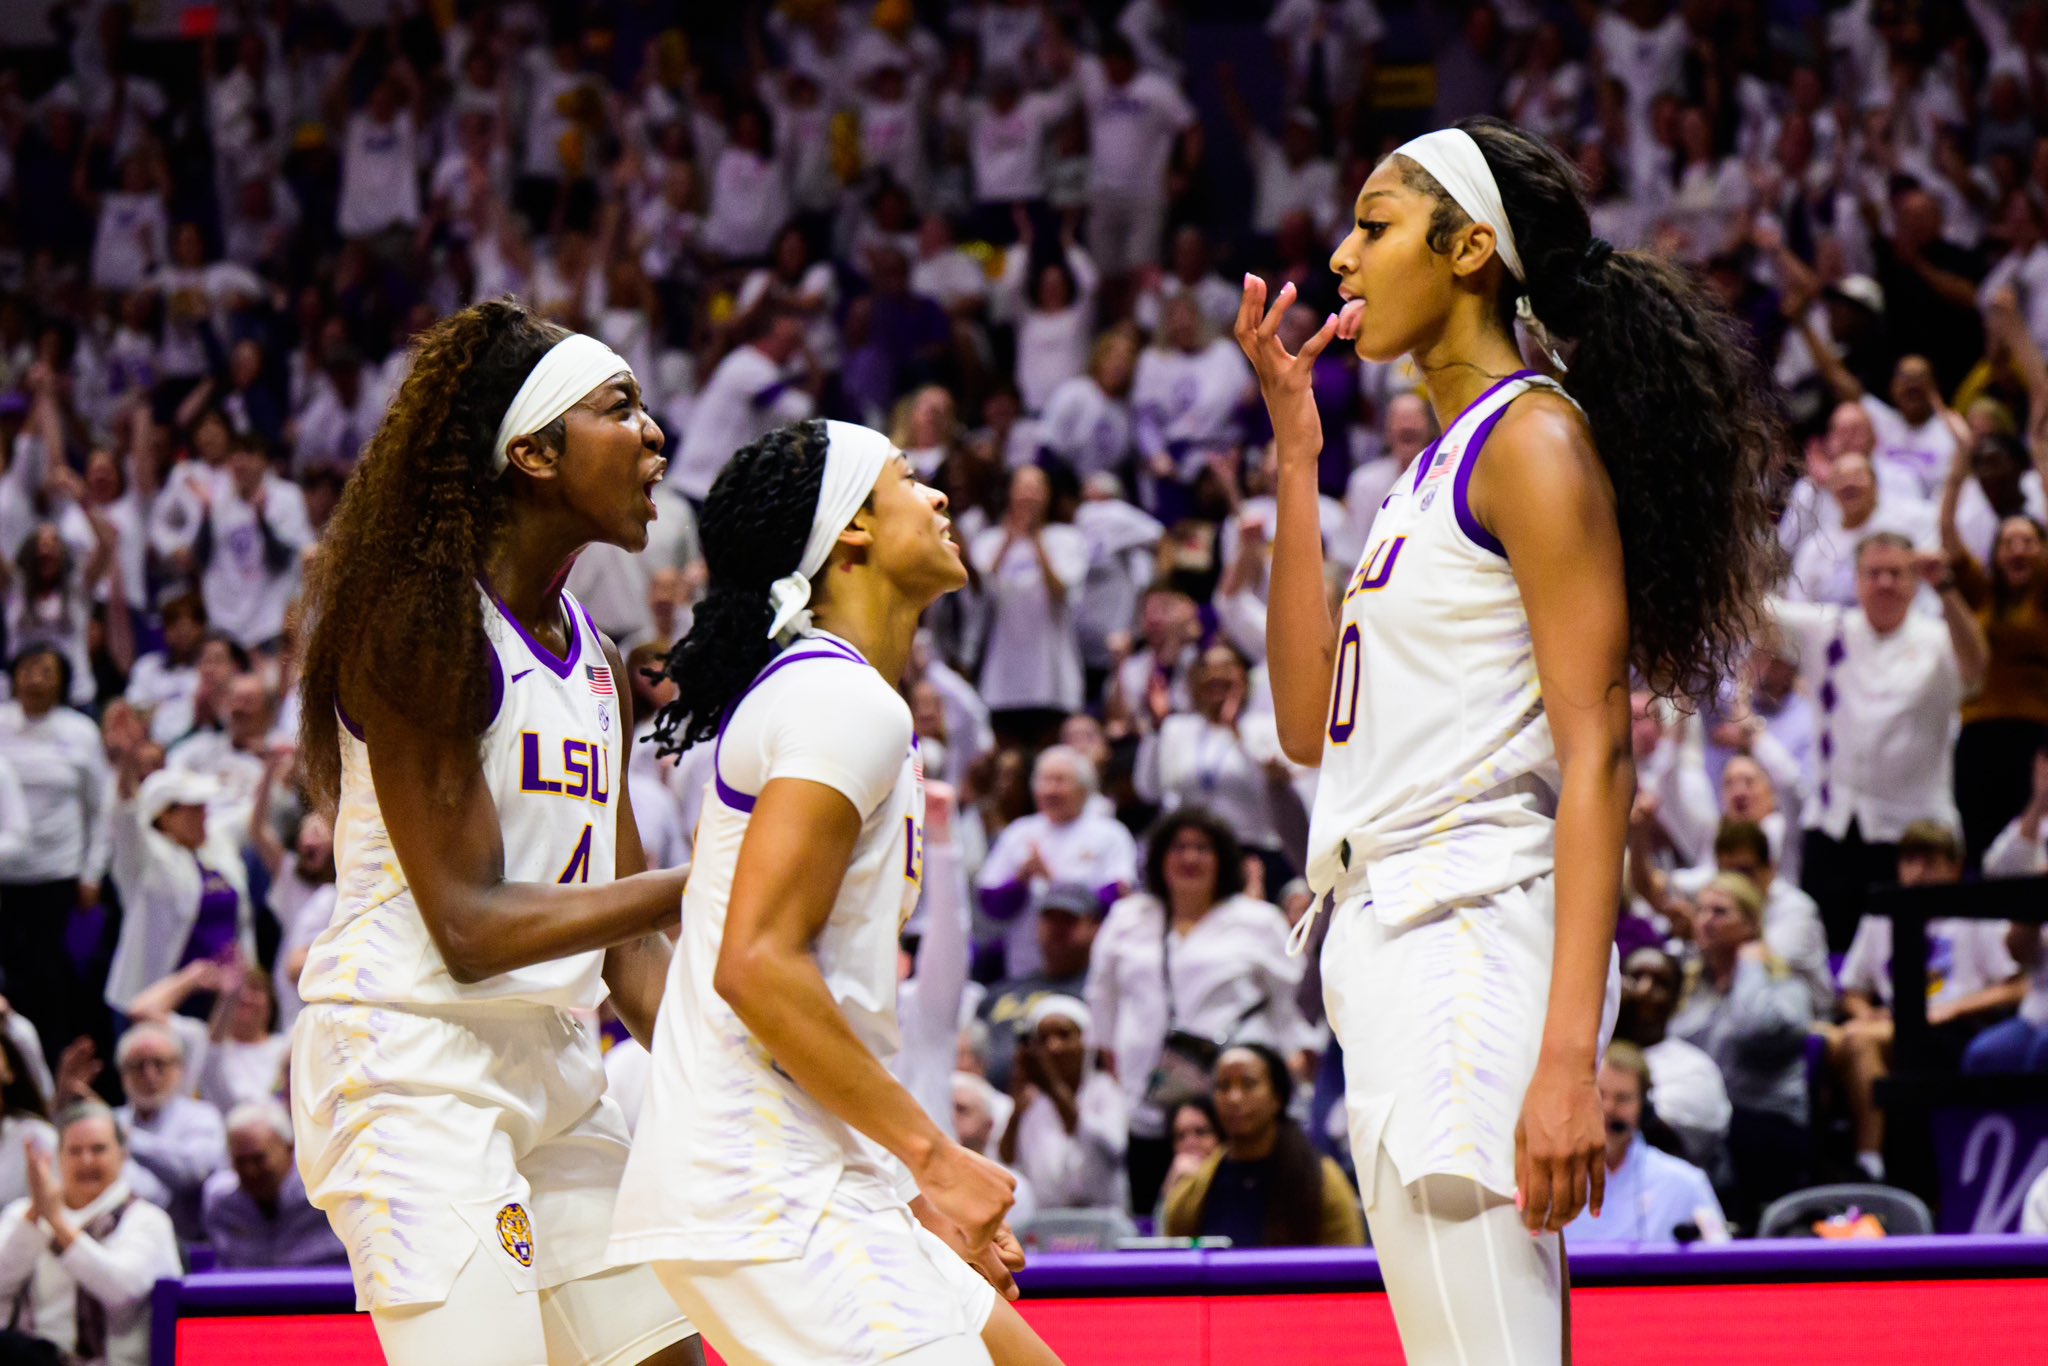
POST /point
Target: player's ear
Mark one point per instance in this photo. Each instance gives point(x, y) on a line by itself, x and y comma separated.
point(534, 457)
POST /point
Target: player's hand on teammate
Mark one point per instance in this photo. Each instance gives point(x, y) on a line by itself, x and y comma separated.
point(971, 1191)
point(1560, 1148)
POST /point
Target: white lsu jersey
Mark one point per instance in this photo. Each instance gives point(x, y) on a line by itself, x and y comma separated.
point(732, 1161)
point(1439, 775)
point(554, 759)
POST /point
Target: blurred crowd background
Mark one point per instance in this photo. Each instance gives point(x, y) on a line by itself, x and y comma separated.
point(1010, 233)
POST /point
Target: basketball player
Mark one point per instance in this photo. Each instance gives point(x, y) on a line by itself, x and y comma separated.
point(471, 722)
point(793, 1196)
point(1470, 705)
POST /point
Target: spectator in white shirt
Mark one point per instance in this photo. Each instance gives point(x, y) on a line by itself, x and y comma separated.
point(1063, 840)
point(1031, 569)
point(1888, 682)
point(1330, 50)
point(80, 1255)
point(1053, 304)
point(749, 196)
point(342, 416)
point(1970, 976)
point(380, 157)
point(1289, 173)
point(1068, 1130)
point(1186, 395)
point(1650, 1193)
point(174, 1141)
point(1224, 759)
point(946, 273)
point(1191, 953)
point(184, 894)
point(1087, 421)
point(58, 759)
point(134, 233)
point(2021, 850)
point(1190, 271)
point(253, 531)
point(1791, 922)
point(754, 390)
point(1135, 119)
point(1824, 566)
point(1686, 1089)
point(1006, 147)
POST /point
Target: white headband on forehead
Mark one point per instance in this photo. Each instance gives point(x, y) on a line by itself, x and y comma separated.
point(558, 381)
point(854, 457)
point(1454, 159)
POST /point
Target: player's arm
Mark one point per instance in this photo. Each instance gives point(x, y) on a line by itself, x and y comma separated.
point(1543, 493)
point(1301, 639)
point(799, 842)
point(444, 829)
point(636, 971)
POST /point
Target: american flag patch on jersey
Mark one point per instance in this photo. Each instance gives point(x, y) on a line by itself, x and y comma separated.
point(600, 676)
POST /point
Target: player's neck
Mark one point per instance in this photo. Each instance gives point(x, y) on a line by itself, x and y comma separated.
point(881, 630)
point(526, 572)
point(1469, 356)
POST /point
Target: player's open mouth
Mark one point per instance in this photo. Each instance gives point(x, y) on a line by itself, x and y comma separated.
point(647, 492)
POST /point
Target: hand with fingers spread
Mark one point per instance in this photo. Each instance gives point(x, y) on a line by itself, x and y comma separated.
point(1287, 381)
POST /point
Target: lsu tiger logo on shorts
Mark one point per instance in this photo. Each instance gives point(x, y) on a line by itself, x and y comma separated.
point(515, 1233)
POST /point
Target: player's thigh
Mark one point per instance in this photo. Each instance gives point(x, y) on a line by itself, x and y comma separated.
point(618, 1317)
point(1466, 1280)
point(484, 1321)
point(1013, 1342)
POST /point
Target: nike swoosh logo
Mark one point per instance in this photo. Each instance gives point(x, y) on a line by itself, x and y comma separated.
point(521, 674)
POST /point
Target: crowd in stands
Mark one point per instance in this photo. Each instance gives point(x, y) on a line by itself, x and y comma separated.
point(1009, 233)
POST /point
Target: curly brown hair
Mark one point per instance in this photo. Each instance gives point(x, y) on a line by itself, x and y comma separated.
point(392, 594)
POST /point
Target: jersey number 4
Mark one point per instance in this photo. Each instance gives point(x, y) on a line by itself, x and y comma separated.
point(579, 862)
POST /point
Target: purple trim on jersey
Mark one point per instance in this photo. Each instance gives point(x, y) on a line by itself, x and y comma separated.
point(559, 666)
point(727, 793)
point(348, 722)
point(1461, 483)
point(1421, 467)
point(1429, 452)
point(497, 684)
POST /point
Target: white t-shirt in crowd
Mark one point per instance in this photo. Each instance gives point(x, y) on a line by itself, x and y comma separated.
point(1963, 957)
point(1215, 299)
point(380, 181)
point(1647, 62)
point(1923, 452)
point(1281, 188)
point(1233, 981)
point(133, 236)
point(1084, 1169)
point(1007, 149)
point(1186, 401)
point(246, 595)
point(62, 768)
point(1332, 30)
point(1033, 657)
point(1192, 761)
point(1085, 427)
point(747, 397)
point(749, 204)
point(1094, 849)
point(1824, 565)
point(1889, 702)
point(1132, 129)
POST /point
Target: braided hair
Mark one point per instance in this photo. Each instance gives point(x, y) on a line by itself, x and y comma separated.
point(1683, 417)
point(755, 522)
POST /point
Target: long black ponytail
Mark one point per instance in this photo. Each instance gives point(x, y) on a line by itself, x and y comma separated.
point(755, 522)
point(1685, 419)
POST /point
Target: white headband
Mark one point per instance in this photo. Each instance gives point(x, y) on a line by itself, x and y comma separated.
point(1454, 159)
point(571, 368)
point(854, 457)
point(1059, 1007)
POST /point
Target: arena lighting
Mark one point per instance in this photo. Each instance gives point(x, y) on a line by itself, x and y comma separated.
point(1893, 1302)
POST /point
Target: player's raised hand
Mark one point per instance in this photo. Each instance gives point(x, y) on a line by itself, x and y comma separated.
point(970, 1190)
point(1285, 381)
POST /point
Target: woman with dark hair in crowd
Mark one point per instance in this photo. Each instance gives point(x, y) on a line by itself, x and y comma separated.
point(778, 1162)
point(58, 759)
point(1180, 968)
point(2006, 719)
point(1265, 1186)
point(1195, 1133)
point(470, 722)
point(1469, 703)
